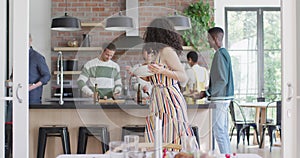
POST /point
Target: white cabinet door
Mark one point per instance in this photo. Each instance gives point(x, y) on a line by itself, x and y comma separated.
point(19, 48)
point(290, 90)
point(3, 15)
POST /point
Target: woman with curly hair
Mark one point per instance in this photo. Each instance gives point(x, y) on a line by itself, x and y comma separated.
point(166, 99)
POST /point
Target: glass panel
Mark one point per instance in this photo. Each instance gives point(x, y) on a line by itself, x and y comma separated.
point(242, 30)
point(272, 55)
point(244, 65)
point(272, 31)
point(272, 75)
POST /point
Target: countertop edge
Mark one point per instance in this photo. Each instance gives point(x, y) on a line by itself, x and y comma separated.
point(72, 105)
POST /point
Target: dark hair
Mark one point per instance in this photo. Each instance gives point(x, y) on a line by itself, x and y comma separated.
point(193, 55)
point(109, 46)
point(216, 32)
point(160, 34)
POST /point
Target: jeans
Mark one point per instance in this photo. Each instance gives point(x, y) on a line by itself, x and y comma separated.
point(220, 126)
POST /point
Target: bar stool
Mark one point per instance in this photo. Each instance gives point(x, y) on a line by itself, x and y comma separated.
point(8, 139)
point(133, 130)
point(99, 131)
point(196, 133)
point(56, 131)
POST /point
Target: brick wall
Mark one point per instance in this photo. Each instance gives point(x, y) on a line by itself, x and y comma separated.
point(95, 11)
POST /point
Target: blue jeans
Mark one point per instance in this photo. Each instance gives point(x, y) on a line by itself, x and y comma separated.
point(220, 126)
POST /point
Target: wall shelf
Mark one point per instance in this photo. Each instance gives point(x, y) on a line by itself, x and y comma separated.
point(68, 72)
point(72, 49)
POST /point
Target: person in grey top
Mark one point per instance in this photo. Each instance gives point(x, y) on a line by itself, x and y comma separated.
point(39, 74)
point(221, 88)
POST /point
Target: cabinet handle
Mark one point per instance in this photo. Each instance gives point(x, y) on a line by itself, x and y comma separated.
point(290, 92)
point(17, 93)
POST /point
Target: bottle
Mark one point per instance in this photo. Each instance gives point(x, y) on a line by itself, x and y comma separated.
point(139, 95)
point(126, 89)
point(85, 40)
point(96, 94)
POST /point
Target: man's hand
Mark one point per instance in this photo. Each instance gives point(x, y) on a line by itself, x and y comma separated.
point(200, 95)
point(145, 89)
point(116, 94)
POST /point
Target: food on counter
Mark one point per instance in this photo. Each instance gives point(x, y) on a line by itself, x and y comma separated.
point(184, 155)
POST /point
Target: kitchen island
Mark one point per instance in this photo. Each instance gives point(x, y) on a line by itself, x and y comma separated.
point(114, 115)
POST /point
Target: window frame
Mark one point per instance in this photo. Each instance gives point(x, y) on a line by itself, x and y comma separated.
point(260, 40)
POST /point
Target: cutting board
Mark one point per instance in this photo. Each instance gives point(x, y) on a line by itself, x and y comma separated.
point(110, 101)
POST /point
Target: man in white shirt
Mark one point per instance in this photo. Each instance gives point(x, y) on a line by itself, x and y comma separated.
point(198, 76)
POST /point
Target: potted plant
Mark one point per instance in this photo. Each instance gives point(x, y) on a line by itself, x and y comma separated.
point(201, 15)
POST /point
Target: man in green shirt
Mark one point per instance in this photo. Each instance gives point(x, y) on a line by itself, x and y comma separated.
point(101, 71)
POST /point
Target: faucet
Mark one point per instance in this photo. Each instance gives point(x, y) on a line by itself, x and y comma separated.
point(60, 76)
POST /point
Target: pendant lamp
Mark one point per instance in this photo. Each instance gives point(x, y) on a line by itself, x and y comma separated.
point(180, 22)
point(66, 23)
point(119, 23)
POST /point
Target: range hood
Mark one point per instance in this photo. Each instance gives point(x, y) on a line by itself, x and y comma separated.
point(131, 40)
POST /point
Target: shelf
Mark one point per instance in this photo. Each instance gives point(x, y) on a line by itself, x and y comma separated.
point(92, 25)
point(72, 49)
point(68, 72)
point(187, 48)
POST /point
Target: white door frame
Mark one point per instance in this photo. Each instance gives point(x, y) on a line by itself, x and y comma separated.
point(20, 47)
point(290, 112)
point(3, 49)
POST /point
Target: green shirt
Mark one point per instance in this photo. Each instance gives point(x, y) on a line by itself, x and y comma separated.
point(105, 74)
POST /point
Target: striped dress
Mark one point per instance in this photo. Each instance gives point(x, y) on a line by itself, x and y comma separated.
point(168, 101)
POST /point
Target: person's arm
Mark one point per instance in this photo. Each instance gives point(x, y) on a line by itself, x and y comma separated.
point(81, 81)
point(220, 75)
point(206, 77)
point(44, 73)
point(118, 82)
point(170, 58)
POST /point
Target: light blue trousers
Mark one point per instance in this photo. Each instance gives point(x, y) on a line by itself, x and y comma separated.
point(220, 126)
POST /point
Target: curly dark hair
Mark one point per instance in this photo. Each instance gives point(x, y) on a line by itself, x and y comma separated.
point(160, 34)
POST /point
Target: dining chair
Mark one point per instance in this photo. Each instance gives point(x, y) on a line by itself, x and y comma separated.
point(272, 127)
point(240, 123)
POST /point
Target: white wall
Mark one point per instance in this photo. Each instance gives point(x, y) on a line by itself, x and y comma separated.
point(221, 4)
point(39, 27)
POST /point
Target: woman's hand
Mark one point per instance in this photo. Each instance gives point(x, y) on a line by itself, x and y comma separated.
point(156, 68)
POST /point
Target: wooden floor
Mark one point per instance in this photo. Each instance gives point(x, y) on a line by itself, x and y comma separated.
point(254, 149)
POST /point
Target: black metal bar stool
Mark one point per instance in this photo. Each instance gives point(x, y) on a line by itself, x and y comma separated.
point(8, 139)
point(196, 133)
point(133, 130)
point(56, 131)
point(98, 131)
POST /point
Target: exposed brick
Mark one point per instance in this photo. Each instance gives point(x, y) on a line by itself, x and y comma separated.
point(95, 11)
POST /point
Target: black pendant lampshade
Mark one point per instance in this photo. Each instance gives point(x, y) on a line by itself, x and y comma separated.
point(180, 22)
point(66, 23)
point(119, 23)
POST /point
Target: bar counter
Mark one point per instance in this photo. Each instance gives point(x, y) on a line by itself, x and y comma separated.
point(114, 116)
point(125, 105)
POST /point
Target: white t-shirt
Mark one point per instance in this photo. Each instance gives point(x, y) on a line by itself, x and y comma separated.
point(195, 73)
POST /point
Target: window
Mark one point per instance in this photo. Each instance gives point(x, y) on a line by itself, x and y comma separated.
point(253, 39)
